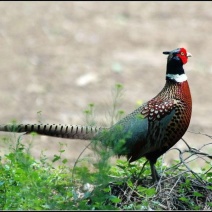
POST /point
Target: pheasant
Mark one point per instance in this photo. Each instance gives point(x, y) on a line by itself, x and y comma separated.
point(149, 131)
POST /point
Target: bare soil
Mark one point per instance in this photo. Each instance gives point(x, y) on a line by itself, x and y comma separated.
point(57, 57)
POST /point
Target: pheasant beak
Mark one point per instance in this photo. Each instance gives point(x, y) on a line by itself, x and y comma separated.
point(189, 54)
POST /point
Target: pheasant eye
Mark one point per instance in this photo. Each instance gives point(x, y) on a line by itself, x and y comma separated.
point(182, 53)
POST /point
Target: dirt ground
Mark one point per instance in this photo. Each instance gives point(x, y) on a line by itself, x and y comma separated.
point(57, 57)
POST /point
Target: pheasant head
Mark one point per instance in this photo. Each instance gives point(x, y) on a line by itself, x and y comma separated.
point(175, 61)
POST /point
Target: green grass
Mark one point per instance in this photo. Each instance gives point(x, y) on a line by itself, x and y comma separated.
point(29, 184)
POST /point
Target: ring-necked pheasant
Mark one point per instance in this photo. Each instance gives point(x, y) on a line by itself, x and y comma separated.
point(149, 131)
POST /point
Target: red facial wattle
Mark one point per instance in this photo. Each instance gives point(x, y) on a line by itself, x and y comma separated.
point(183, 55)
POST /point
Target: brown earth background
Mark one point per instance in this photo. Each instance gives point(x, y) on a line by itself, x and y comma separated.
point(57, 57)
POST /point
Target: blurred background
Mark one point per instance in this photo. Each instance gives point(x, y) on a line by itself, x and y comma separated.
point(58, 57)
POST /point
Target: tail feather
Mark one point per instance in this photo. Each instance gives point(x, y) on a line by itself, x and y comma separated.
point(55, 130)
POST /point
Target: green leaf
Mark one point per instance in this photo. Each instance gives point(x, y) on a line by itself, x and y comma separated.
point(184, 199)
point(209, 174)
point(197, 194)
point(107, 190)
point(129, 183)
point(150, 192)
point(56, 158)
point(33, 134)
point(209, 187)
point(91, 105)
point(114, 199)
point(64, 161)
point(46, 206)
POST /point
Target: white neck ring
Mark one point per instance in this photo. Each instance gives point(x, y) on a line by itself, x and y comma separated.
point(177, 77)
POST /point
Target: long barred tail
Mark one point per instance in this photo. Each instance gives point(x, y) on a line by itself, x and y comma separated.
point(55, 130)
